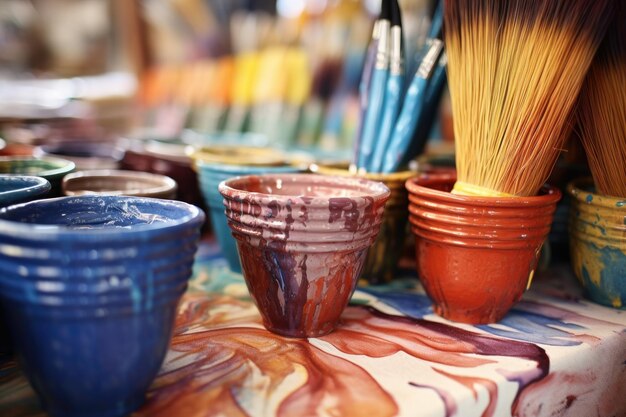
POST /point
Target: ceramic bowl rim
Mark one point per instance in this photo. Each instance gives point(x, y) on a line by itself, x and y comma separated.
point(209, 168)
point(575, 189)
point(37, 232)
point(374, 190)
point(549, 194)
point(336, 170)
point(33, 185)
point(61, 166)
point(167, 183)
point(246, 154)
point(105, 150)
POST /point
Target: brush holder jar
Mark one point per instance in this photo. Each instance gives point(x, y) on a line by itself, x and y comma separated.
point(597, 236)
point(382, 257)
point(476, 255)
point(302, 240)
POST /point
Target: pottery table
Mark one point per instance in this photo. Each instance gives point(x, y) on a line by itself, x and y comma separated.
point(555, 354)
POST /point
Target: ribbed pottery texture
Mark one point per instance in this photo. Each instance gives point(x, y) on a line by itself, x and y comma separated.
point(476, 255)
point(383, 256)
point(17, 189)
point(90, 287)
point(597, 230)
point(302, 240)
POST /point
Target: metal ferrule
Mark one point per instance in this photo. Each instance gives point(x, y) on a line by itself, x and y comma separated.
point(382, 53)
point(430, 59)
point(395, 53)
point(376, 30)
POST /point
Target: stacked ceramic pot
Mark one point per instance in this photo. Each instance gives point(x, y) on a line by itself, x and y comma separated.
point(597, 228)
point(476, 255)
point(89, 287)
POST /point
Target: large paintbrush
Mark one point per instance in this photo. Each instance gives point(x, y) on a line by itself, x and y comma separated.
point(515, 70)
point(602, 110)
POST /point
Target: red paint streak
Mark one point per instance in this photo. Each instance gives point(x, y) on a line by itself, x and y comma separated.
point(470, 382)
point(221, 357)
point(212, 367)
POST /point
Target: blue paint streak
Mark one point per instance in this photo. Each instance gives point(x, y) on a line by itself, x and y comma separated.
point(534, 328)
point(410, 304)
point(524, 326)
point(612, 283)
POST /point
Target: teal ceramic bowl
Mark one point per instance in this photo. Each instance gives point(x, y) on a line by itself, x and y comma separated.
point(52, 169)
point(19, 189)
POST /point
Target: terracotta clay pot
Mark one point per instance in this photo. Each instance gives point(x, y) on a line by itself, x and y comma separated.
point(383, 256)
point(302, 241)
point(597, 230)
point(476, 255)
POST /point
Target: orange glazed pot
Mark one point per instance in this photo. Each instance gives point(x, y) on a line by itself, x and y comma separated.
point(476, 255)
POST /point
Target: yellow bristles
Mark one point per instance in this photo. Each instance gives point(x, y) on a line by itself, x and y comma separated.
point(602, 111)
point(515, 69)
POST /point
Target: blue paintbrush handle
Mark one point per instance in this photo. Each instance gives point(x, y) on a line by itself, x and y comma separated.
point(437, 23)
point(393, 98)
point(364, 92)
point(429, 113)
point(372, 116)
point(405, 126)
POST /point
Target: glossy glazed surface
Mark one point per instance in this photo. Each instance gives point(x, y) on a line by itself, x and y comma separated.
point(476, 255)
point(17, 189)
point(90, 287)
point(597, 228)
point(302, 241)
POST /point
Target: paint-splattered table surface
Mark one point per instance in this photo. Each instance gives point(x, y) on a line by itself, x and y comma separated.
point(554, 355)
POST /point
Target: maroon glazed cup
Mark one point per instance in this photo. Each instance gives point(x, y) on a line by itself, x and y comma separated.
point(302, 241)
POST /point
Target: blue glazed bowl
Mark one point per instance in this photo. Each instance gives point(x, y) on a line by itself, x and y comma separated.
point(210, 176)
point(17, 189)
point(89, 347)
point(91, 366)
point(52, 169)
